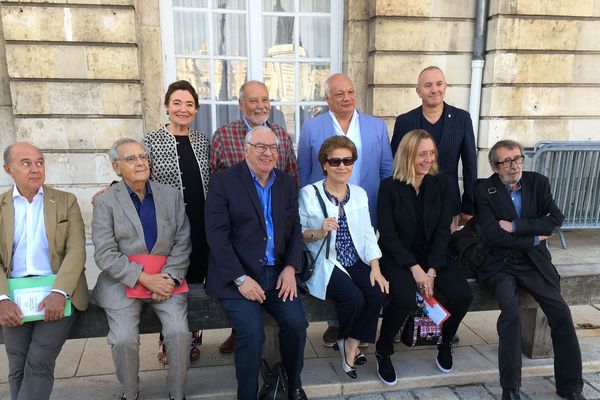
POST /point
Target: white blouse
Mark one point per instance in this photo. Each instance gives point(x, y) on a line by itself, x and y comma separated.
point(359, 224)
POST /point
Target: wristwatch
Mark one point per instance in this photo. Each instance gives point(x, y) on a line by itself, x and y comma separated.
point(240, 280)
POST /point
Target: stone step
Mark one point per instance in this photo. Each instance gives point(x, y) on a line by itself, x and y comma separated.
point(322, 377)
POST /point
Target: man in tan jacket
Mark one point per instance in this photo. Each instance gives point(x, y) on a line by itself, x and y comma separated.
point(41, 233)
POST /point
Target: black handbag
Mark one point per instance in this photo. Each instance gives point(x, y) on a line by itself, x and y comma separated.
point(308, 261)
point(420, 330)
point(468, 249)
point(275, 382)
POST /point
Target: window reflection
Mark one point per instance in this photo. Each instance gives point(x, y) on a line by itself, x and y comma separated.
point(312, 78)
point(190, 3)
point(231, 4)
point(315, 5)
point(230, 37)
point(280, 80)
point(314, 36)
point(190, 34)
point(202, 121)
point(278, 5)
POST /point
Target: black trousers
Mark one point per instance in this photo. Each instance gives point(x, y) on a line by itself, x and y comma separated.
point(457, 298)
point(567, 356)
point(357, 302)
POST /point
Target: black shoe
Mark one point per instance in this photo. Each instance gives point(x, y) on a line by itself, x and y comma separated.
point(511, 394)
point(444, 358)
point(125, 398)
point(385, 369)
point(170, 398)
point(570, 396)
point(360, 359)
point(455, 339)
point(348, 369)
point(330, 336)
point(298, 394)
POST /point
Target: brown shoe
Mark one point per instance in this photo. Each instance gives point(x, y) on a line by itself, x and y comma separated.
point(330, 336)
point(195, 346)
point(228, 345)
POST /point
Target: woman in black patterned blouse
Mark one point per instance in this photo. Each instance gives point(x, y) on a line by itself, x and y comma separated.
point(179, 158)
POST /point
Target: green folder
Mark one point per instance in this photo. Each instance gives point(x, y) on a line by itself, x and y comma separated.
point(28, 292)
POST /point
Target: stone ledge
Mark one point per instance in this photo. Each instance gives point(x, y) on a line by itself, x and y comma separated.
point(544, 68)
point(419, 8)
point(539, 101)
point(423, 35)
point(543, 34)
point(72, 62)
point(97, 98)
point(24, 22)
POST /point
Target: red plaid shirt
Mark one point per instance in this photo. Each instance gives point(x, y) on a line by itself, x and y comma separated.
point(228, 148)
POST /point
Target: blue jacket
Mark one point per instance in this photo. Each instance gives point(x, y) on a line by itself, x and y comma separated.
point(375, 150)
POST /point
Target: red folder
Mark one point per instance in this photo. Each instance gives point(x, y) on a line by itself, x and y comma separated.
point(152, 264)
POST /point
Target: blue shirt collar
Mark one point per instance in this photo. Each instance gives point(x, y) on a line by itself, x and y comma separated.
point(131, 192)
point(248, 124)
point(255, 178)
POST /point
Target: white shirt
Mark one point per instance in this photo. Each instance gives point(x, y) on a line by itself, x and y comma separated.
point(31, 253)
point(354, 135)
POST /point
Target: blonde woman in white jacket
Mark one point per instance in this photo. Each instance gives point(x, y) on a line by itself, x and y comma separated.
point(348, 270)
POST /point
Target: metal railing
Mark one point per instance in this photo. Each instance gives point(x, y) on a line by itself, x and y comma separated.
point(573, 169)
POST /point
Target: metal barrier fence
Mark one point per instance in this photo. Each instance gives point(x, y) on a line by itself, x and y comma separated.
point(573, 169)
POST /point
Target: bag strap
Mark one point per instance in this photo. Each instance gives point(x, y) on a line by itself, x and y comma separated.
point(324, 209)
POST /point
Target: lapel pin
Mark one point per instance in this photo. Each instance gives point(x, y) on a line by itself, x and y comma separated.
point(449, 115)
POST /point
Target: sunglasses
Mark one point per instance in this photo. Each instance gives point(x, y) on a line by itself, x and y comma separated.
point(335, 162)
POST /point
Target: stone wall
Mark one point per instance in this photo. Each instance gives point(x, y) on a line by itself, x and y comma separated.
point(76, 76)
point(540, 78)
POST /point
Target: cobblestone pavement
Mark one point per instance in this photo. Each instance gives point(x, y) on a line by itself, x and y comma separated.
point(532, 389)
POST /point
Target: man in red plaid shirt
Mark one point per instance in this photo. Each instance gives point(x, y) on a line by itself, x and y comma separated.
point(228, 141)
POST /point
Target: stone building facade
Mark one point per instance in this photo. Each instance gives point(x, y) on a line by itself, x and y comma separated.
point(77, 74)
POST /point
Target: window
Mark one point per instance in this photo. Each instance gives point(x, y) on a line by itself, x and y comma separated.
point(217, 45)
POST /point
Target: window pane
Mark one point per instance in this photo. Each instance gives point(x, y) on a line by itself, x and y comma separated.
point(278, 5)
point(280, 80)
point(312, 78)
point(202, 121)
point(308, 112)
point(227, 85)
point(230, 34)
point(227, 113)
point(283, 116)
point(314, 37)
point(231, 4)
point(278, 36)
point(197, 72)
point(315, 5)
point(190, 33)
point(190, 3)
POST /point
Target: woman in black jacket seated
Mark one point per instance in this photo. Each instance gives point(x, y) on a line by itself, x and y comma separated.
point(414, 212)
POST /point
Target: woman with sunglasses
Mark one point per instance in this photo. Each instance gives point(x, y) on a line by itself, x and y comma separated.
point(414, 209)
point(345, 248)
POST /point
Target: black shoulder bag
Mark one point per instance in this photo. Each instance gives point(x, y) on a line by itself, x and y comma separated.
point(308, 261)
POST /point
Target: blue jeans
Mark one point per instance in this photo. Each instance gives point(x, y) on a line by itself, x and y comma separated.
point(247, 321)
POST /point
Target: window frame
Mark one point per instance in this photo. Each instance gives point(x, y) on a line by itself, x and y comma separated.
point(255, 52)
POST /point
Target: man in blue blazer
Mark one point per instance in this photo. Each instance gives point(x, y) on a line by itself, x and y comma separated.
point(253, 231)
point(368, 133)
point(452, 131)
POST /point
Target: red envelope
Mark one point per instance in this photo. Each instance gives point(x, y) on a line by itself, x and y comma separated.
point(153, 264)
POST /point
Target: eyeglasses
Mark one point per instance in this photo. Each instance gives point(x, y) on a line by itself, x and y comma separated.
point(261, 148)
point(507, 163)
point(132, 159)
point(335, 162)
